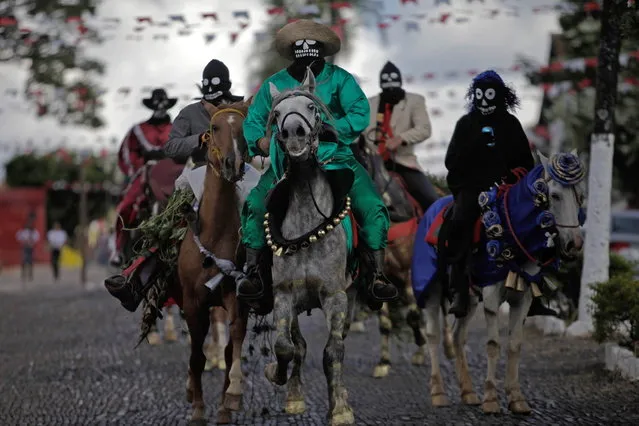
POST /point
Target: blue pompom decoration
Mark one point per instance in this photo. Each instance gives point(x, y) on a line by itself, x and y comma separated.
point(493, 248)
point(582, 216)
point(545, 219)
point(566, 169)
point(490, 218)
point(540, 186)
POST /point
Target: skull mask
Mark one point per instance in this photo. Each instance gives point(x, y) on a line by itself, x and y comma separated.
point(307, 50)
point(390, 77)
point(487, 97)
point(215, 80)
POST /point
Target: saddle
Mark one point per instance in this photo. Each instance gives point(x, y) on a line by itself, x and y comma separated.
point(437, 234)
point(161, 178)
point(278, 198)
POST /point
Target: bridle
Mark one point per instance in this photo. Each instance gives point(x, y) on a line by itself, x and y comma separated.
point(210, 138)
point(315, 129)
point(574, 192)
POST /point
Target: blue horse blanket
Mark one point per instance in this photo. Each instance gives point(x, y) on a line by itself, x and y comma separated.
point(516, 209)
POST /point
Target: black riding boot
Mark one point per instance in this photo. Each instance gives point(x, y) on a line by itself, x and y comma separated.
point(250, 287)
point(127, 292)
point(459, 281)
point(380, 288)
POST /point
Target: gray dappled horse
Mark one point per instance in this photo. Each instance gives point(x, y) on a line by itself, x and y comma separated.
point(563, 200)
point(310, 263)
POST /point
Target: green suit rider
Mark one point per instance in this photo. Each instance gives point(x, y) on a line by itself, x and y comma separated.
point(307, 43)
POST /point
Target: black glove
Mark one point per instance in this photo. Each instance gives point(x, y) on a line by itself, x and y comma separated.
point(156, 154)
point(328, 134)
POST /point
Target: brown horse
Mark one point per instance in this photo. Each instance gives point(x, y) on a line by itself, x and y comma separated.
point(206, 262)
point(399, 251)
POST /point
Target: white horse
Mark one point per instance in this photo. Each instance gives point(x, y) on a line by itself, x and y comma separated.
point(554, 187)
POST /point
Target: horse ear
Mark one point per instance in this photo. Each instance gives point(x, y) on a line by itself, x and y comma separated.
point(210, 108)
point(574, 152)
point(309, 80)
point(274, 92)
point(543, 159)
point(248, 102)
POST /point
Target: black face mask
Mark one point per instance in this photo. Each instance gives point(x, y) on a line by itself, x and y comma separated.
point(390, 77)
point(215, 80)
point(488, 98)
point(307, 51)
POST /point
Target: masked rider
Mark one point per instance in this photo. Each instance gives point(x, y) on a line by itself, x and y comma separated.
point(307, 43)
point(486, 145)
point(142, 143)
point(399, 121)
point(184, 141)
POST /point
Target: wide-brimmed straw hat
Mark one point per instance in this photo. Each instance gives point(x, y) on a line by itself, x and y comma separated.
point(306, 29)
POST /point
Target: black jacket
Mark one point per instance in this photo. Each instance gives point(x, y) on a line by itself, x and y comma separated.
point(472, 164)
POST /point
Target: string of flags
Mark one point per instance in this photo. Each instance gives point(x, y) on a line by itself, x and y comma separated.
point(580, 64)
point(209, 23)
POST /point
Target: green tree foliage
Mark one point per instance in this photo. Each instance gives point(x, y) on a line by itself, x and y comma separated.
point(50, 36)
point(580, 39)
point(268, 61)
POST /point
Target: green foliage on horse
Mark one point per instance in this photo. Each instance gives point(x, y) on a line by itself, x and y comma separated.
point(616, 304)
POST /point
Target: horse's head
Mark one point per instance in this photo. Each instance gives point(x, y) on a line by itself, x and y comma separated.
point(297, 115)
point(227, 150)
point(564, 174)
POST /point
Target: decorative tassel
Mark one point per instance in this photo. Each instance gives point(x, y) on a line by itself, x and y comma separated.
point(511, 280)
point(521, 284)
point(535, 289)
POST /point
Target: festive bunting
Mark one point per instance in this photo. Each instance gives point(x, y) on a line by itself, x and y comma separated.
point(275, 11)
point(241, 14)
point(177, 18)
point(208, 38)
point(211, 15)
point(233, 37)
point(341, 5)
point(143, 19)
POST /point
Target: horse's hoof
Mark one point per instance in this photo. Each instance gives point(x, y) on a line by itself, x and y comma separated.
point(210, 365)
point(418, 359)
point(358, 327)
point(154, 338)
point(491, 407)
point(233, 402)
point(197, 422)
point(223, 416)
point(381, 370)
point(345, 418)
point(295, 406)
point(519, 407)
point(471, 398)
point(170, 336)
point(440, 400)
point(270, 371)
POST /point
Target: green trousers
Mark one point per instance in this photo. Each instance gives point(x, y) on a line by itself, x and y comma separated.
point(369, 209)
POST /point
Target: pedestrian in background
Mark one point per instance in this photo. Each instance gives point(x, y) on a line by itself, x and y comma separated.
point(57, 238)
point(28, 237)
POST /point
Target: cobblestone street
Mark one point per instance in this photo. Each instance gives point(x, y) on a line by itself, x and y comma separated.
point(67, 357)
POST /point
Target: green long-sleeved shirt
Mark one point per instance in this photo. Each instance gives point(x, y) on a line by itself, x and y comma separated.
point(338, 89)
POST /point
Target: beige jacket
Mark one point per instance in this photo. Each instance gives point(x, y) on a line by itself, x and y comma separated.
point(410, 121)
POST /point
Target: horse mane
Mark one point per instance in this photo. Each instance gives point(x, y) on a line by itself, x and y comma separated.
point(290, 93)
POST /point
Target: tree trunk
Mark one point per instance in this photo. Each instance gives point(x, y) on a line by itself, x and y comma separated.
point(596, 251)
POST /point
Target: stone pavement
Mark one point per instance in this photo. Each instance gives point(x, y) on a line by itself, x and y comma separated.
point(67, 356)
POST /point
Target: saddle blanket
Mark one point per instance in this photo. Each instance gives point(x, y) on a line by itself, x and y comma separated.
point(194, 179)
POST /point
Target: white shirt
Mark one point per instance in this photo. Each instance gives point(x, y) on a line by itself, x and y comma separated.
point(57, 238)
point(28, 237)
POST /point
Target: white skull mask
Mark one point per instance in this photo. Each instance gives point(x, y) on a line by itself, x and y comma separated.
point(306, 49)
